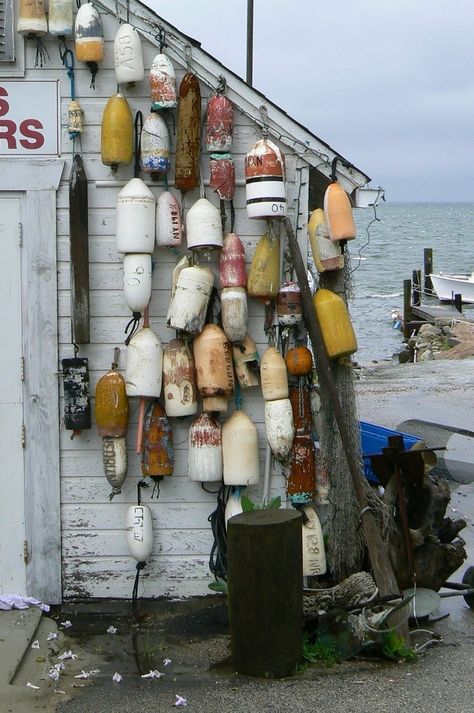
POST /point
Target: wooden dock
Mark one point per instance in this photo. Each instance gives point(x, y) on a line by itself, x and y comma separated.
point(428, 313)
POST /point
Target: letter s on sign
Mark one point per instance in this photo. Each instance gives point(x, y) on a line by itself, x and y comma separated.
point(33, 139)
point(4, 105)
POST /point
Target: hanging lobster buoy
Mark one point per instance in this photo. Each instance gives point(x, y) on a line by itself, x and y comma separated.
point(137, 271)
point(219, 124)
point(60, 18)
point(327, 254)
point(203, 226)
point(32, 18)
point(265, 181)
point(264, 275)
point(222, 176)
point(179, 380)
point(155, 146)
point(158, 454)
point(234, 505)
point(336, 327)
point(240, 454)
point(279, 427)
point(144, 365)
point(188, 134)
point(169, 231)
point(139, 532)
point(89, 38)
point(246, 361)
point(77, 408)
point(299, 361)
point(115, 461)
point(314, 555)
point(135, 218)
point(79, 252)
point(301, 484)
point(162, 84)
point(289, 304)
point(214, 371)
point(273, 375)
point(232, 262)
point(128, 55)
point(234, 312)
point(190, 299)
point(116, 132)
point(205, 449)
point(112, 409)
point(338, 213)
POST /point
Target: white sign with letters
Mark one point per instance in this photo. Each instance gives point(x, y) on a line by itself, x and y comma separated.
point(29, 118)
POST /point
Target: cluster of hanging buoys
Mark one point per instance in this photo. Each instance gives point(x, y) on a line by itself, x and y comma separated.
point(89, 38)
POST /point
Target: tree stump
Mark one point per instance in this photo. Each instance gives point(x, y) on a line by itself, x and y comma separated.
point(265, 575)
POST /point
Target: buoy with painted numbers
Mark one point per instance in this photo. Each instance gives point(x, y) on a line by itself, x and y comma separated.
point(137, 273)
point(115, 462)
point(139, 532)
point(336, 327)
point(222, 176)
point(188, 141)
point(162, 84)
point(158, 453)
point(128, 55)
point(273, 375)
point(327, 253)
point(241, 465)
point(112, 409)
point(264, 275)
point(32, 18)
point(135, 218)
point(314, 554)
point(180, 392)
point(205, 449)
point(265, 181)
point(60, 18)
point(203, 226)
point(143, 374)
point(89, 38)
point(169, 230)
point(155, 146)
point(289, 304)
point(214, 369)
point(219, 124)
point(190, 299)
point(232, 262)
point(234, 312)
point(279, 427)
point(338, 213)
point(116, 132)
point(246, 362)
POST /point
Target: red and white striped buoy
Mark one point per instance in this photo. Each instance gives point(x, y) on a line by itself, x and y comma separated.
point(265, 181)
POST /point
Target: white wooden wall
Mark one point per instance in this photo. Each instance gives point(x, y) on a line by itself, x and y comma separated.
point(95, 558)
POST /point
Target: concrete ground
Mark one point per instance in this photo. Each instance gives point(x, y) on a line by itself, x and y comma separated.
point(188, 641)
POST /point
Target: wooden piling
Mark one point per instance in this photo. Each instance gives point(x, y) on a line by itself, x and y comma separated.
point(407, 315)
point(458, 302)
point(265, 574)
point(416, 280)
point(428, 269)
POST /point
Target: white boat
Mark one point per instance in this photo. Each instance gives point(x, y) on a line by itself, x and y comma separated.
point(446, 286)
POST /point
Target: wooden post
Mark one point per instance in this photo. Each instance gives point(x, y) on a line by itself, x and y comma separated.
point(458, 302)
point(79, 252)
point(416, 279)
point(407, 315)
point(428, 269)
point(265, 575)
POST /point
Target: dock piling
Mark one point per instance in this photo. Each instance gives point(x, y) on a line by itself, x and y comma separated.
point(428, 269)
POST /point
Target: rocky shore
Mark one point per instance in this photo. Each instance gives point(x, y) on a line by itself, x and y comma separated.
point(441, 340)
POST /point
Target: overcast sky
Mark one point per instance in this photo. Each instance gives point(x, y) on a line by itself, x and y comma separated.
point(389, 84)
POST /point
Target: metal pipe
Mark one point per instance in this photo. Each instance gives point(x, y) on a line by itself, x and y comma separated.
point(249, 73)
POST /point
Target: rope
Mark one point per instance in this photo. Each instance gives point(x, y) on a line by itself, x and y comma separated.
point(138, 128)
point(132, 327)
point(140, 566)
point(218, 555)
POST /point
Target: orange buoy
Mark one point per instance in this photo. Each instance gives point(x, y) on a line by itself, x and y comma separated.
point(299, 361)
point(117, 133)
point(338, 213)
point(264, 275)
point(273, 375)
point(158, 454)
point(336, 327)
point(214, 369)
point(112, 409)
point(188, 134)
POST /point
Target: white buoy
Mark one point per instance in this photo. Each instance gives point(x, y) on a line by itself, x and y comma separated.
point(265, 181)
point(115, 460)
point(279, 427)
point(128, 55)
point(188, 306)
point(314, 555)
point(169, 229)
point(60, 18)
point(137, 270)
point(240, 450)
point(180, 392)
point(205, 449)
point(31, 18)
point(234, 313)
point(155, 145)
point(273, 375)
point(203, 226)
point(162, 83)
point(89, 34)
point(139, 532)
point(144, 368)
point(135, 218)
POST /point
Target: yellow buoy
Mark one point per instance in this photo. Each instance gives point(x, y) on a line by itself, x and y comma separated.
point(327, 253)
point(336, 327)
point(264, 275)
point(117, 133)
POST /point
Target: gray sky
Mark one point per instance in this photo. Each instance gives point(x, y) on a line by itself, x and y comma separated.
point(387, 83)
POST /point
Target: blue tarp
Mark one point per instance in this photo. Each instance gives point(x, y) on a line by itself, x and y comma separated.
point(374, 438)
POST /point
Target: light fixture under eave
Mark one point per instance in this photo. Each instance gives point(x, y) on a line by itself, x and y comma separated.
point(367, 197)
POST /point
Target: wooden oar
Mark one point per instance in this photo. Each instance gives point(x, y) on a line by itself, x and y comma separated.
point(382, 568)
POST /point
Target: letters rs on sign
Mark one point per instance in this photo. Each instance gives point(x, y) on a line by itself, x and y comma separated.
point(29, 118)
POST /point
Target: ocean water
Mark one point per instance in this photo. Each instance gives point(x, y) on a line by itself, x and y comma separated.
point(386, 252)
